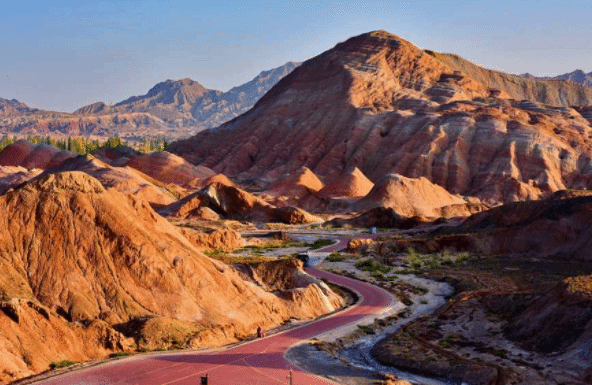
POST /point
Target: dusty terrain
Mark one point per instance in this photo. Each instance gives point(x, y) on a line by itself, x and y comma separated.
point(522, 303)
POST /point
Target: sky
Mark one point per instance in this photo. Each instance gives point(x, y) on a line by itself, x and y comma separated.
point(62, 55)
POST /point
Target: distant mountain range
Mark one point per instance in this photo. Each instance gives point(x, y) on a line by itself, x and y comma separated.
point(173, 108)
point(577, 76)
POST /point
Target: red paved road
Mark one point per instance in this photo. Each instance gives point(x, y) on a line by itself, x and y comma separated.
point(260, 362)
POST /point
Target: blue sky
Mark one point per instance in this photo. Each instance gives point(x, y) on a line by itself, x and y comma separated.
point(65, 54)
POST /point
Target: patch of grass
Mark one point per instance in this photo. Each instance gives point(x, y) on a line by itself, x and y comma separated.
point(62, 364)
point(272, 245)
point(368, 329)
point(462, 257)
point(419, 263)
point(335, 256)
point(379, 276)
point(445, 341)
point(119, 354)
point(372, 266)
point(407, 301)
point(319, 243)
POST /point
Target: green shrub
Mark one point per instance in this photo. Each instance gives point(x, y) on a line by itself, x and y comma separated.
point(445, 341)
point(119, 354)
point(368, 329)
point(335, 257)
point(371, 266)
point(319, 243)
point(62, 364)
point(378, 276)
point(461, 258)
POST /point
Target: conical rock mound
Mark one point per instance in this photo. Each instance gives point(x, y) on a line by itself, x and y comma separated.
point(297, 185)
point(352, 184)
point(408, 196)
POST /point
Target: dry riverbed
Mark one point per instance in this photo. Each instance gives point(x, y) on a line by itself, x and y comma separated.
point(344, 355)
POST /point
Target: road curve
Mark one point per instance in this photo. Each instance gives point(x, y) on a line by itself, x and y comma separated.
point(260, 362)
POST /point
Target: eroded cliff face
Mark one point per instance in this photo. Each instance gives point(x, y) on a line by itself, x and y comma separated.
point(84, 261)
point(379, 103)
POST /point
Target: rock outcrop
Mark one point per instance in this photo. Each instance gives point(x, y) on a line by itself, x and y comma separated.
point(379, 103)
point(26, 154)
point(124, 179)
point(551, 228)
point(78, 259)
point(412, 197)
point(352, 184)
point(169, 168)
point(232, 202)
point(12, 176)
point(297, 185)
point(385, 217)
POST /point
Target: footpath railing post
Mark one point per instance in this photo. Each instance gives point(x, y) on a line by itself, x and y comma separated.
point(204, 380)
point(291, 377)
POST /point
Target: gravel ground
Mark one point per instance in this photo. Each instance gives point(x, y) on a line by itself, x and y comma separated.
point(355, 364)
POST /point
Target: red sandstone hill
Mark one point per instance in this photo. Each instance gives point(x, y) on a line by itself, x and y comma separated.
point(557, 228)
point(26, 154)
point(170, 168)
point(78, 260)
point(352, 184)
point(296, 185)
point(123, 179)
point(231, 202)
point(381, 104)
point(410, 197)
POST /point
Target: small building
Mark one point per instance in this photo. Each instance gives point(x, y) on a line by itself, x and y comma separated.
point(373, 230)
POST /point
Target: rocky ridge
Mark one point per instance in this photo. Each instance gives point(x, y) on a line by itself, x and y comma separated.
point(171, 109)
point(108, 262)
point(379, 103)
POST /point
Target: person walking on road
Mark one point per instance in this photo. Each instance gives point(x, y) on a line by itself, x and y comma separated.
point(260, 332)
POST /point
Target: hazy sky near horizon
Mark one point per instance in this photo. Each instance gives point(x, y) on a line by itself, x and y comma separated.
point(62, 55)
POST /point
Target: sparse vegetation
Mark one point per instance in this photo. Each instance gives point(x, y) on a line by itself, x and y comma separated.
point(119, 354)
point(85, 146)
point(62, 364)
point(368, 329)
point(372, 266)
point(423, 262)
point(335, 256)
point(320, 243)
point(446, 341)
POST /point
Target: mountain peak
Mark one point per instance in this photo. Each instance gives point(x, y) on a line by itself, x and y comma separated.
point(184, 85)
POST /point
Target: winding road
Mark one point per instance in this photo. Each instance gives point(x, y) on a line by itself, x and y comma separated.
point(260, 362)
